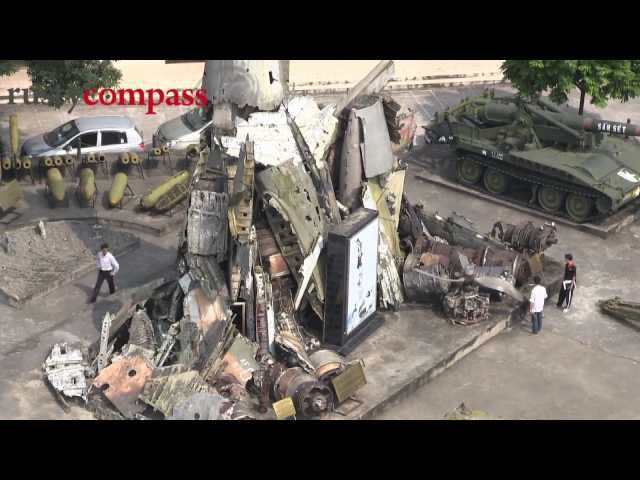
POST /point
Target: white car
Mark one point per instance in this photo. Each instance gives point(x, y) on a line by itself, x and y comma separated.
point(182, 131)
point(106, 134)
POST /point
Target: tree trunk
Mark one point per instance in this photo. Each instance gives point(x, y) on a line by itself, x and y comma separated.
point(74, 102)
point(582, 95)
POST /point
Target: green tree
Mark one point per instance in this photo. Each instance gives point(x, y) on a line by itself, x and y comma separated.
point(8, 67)
point(64, 81)
point(601, 79)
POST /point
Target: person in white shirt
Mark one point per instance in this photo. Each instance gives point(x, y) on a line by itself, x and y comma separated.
point(107, 268)
point(536, 305)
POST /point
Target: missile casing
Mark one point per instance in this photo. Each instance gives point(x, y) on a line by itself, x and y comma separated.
point(57, 161)
point(26, 162)
point(153, 195)
point(87, 185)
point(68, 160)
point(17, 164)
point(157, 152)
point(134, 158)
point(56, 184)
point(117, 189)
point(14, 134)
point(124, 158)
point(48, 161)
point(6, 163)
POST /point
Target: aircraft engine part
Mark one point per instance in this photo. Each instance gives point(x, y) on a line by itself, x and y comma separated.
point(465, 305)
point(328, 365)
point(425, 288)
point(526, 236)
point(310, 396)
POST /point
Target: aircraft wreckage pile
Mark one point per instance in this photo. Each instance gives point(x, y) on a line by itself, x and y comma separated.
point(246, 321)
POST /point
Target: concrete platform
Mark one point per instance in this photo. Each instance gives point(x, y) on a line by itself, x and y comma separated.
point(436, 166)
point(38, 282)
point(418, 343)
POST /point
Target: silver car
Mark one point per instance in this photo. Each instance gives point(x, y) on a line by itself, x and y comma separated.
point(107, 134)
point(182, 131)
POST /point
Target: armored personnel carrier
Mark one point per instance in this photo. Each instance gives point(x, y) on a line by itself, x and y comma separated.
point(576, 166)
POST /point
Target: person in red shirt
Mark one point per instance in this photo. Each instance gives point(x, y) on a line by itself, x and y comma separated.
point(568, 284)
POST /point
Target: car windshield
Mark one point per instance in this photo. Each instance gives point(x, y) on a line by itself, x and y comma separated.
point(58, 136)
point(195, 119)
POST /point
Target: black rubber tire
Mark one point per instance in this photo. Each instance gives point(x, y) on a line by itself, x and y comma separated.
point(603, 205)
point(550, 199)
point(494, 181)
point(578, 208)
point(469, 171)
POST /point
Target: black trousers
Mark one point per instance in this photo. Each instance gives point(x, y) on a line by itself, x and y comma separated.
point(102, 276)
point(565, 296)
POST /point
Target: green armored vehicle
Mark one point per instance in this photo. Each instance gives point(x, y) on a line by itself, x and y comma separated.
point(575, 166)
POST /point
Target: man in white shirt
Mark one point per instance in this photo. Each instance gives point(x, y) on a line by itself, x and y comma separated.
point(536, 305)
point(107, 268)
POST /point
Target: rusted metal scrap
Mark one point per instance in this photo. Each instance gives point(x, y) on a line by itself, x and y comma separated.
point(291, 343)
point(203, 406)
point(247, 83)
point(241, 202)
point(207, 223)
point(377, 156)
point(292, 206)
point(165, 389)
point(65, 369)
point(628, 312)
point(319, 174)
point(350, 171)
point(123, 381)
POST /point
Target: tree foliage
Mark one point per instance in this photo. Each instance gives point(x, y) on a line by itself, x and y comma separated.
point(9, 67)
point(601, 79)
point(63, 81)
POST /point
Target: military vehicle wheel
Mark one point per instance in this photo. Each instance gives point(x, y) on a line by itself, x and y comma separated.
point(469, 171)
point(550, 199)
point(494, 181)
point(603, 205)
point(578, 207)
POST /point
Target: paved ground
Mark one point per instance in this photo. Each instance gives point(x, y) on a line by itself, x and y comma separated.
point(582, 365)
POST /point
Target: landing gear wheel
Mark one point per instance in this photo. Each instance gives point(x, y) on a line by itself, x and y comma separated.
point(603, 205)
point(578, 207)
point(550, 199)
point(469, 171)
point(495, 181)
